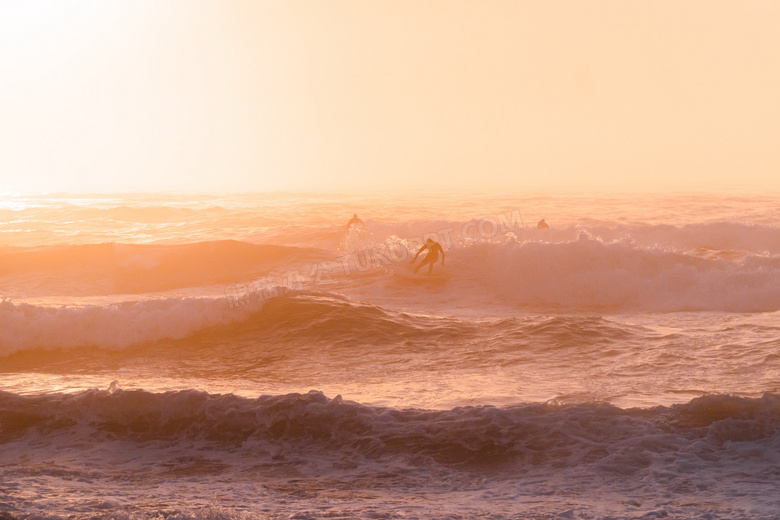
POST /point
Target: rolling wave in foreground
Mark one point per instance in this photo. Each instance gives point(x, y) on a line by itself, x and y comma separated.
point(248, 356)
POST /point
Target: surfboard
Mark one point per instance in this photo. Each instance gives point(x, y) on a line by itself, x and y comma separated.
point(406, 270)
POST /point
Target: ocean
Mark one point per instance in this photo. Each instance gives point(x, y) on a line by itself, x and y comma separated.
point(249, 356)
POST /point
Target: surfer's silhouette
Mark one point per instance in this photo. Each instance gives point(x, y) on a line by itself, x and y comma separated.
point(354, 221)
point(433, 248)
point(542, 224)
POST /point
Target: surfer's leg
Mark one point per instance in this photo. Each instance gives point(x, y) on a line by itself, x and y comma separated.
point(431, 262)
point(426, 260)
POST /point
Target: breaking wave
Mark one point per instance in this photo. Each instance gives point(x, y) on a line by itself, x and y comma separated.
point(550, 434)
point(307, 319)
point(589, 273)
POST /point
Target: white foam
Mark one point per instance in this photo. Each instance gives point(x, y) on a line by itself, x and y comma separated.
point(26, 326)
point(590, 273)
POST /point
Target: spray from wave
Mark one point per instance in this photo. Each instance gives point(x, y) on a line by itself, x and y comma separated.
point(589, 273)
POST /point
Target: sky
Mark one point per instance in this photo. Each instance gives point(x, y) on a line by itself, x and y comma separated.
point(552, 96)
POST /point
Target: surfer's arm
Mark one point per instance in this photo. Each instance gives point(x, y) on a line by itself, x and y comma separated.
point(418, 254)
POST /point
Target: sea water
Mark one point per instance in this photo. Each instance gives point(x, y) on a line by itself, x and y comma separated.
point(249, 356)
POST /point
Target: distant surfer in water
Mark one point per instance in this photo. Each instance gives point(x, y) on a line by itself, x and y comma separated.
point(354, 221)
point(433, 248)
point(542, 225)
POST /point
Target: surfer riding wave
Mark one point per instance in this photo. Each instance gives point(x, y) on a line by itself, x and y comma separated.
point(433, 248)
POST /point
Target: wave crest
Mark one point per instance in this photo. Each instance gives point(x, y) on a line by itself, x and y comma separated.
point(532, 434)
point(102, 269)
point(588, 273)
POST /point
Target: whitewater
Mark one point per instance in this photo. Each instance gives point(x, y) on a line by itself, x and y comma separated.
point(249, 356)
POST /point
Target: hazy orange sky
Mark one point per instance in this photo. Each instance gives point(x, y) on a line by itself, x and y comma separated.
point(112, 95)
